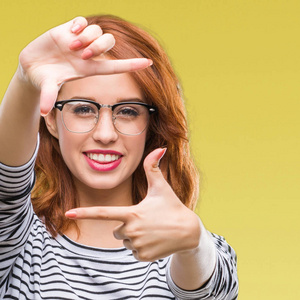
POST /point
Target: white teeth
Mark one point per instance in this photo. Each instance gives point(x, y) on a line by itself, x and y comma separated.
point(103, 157)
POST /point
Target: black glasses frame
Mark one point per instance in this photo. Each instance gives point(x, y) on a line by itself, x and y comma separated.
point(60, 104)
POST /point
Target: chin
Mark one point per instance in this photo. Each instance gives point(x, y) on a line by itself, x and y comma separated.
point(107, 183)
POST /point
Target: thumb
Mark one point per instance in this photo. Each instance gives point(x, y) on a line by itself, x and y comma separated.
point(49, 92)
point(151, 166)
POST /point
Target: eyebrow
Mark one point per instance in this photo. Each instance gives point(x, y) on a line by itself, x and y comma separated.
point(118, 100)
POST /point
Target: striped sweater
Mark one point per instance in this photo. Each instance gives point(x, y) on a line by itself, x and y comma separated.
point(34, 265)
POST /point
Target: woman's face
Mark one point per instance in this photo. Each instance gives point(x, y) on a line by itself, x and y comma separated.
point(84, 153)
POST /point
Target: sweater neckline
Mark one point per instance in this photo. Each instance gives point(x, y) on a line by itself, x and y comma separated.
point(84, 250)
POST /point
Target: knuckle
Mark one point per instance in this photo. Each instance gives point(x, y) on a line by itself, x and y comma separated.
point(137, 245)
point(103, 44)
point(90, 34)
point(132, 231)
point(94, 29)
point(80, 21)
point(100, 214)
point(137, 212)
point(117, 235)
point(109, 37)
point(133, 213)
point(145, 255)
point(128, 245)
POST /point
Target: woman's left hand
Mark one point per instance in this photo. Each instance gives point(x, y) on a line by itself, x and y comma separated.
point(158, 226)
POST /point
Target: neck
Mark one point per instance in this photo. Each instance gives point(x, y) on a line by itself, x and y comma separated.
point(99, 233)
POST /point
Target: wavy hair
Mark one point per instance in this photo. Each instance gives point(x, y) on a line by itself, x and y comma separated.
point(55, 192)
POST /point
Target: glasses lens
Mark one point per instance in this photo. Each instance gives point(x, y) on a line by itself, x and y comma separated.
point(80, 116)
point(131, 119)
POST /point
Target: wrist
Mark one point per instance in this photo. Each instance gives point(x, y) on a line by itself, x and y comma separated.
point(192, 239)
point(200, 242)
point(192, 268)
point(21, 80)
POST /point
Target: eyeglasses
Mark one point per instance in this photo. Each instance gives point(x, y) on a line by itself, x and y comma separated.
point(82, 116)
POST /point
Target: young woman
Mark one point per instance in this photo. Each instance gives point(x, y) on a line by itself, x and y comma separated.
point(108, 212)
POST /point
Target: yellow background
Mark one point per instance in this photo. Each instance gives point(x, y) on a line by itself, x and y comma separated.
point(239, 64)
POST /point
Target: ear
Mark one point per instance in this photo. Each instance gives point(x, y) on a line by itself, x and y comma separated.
point(51, 123)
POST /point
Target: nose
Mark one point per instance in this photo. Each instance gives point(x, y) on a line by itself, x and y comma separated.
point(105, 131)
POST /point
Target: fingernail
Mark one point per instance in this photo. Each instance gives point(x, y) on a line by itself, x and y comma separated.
point(75, 44)
point(71, 214)
point(87, 53)
point(75, 28)
point(43, 114)
point(150, 61)
point(162, 155)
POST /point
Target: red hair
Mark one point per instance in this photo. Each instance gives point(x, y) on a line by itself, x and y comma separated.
point(55, 192)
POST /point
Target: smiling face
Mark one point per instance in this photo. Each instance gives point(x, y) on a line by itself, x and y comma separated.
point(102, 159)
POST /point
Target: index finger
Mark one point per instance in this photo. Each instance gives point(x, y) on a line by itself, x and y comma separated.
point(115, 66)
point(109, 213)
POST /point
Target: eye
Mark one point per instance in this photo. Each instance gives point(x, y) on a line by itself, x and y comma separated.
point(127, 111)
point(84, 109)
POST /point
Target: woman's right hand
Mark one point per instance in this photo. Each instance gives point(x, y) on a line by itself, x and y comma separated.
point(68, 52)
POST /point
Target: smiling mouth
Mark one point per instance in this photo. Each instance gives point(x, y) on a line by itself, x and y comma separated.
point(103, 158)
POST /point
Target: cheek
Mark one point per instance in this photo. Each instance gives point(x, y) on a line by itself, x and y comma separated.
point(69, 144)
point(70, 152)
point(66, 138)
point(66, 148)
point(137, 148)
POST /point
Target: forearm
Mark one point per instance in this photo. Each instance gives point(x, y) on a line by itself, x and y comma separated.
point(19, 122)
point(191, 269)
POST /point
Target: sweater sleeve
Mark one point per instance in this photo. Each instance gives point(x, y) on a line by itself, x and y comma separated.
point(223, 284)
point(16, 213)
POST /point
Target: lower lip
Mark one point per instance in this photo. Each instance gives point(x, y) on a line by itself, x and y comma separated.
point(103, 167)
